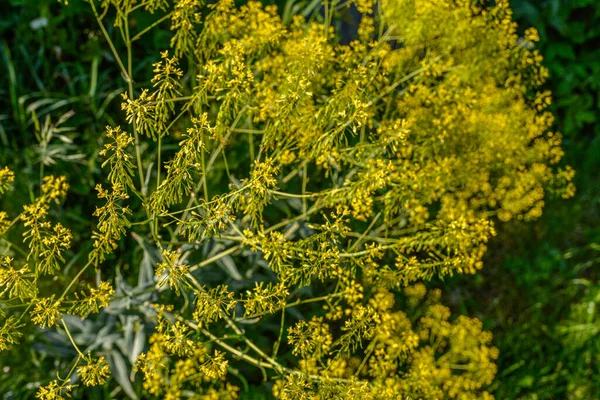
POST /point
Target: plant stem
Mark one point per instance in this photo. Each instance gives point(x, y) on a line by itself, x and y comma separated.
point(281, 326)
point(136, 135)
point(158, 165)
point(370, 351)
point(303, 196)
point(357, 242)
point(74, 280)
point(110, 43)
point(204, 182)
point(294, 304)
point(71, 337)
point(139, 35)
point(216, 257)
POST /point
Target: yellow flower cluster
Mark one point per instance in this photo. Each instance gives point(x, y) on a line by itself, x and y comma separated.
point(18, 283)
point(93, 301)
point(46, 244)
point(54, 391)
point(175, 361)
point(326, 179)
point(117, 157)
point(112, 222)
point(95, 372)
point(46, 312)
point(170, 271)
point(24, 286)
point(428, 358)
point(7, 177)
point(9, 334)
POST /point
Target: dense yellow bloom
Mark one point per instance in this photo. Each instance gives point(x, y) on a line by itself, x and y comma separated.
point(141, 112)
point(215, 367)
point(52, 247)
point(46, 312)
point(153, 364)
point(211, 305)
point(185, 16)
point(311, 337)
point(54, 189)
point(265, 299)
point(180, 170)
point(314, 171)
point(95, 372)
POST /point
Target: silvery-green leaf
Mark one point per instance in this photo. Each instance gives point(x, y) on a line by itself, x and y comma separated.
point(228, 265)
point(120, 372)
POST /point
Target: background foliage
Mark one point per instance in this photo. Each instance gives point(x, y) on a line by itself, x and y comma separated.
point(538, 292)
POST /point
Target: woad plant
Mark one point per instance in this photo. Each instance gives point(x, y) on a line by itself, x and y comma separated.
point(292, 190)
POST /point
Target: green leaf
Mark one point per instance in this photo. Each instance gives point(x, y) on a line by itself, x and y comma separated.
point(121, 373)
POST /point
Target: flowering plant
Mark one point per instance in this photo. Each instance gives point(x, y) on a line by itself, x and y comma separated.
point(291, 194)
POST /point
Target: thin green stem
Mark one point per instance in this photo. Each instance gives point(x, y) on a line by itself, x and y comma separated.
point(175, 120)
point(143, 4)
point(62, 296)
point(304, 183)
point(270, 363)
point(370, 351)
point(183, 98)
point(75, 364)
point(216, 257)
point(71, 338)
point(360, 239)
point(138, 152)
point(294, 304)
point(204, 172)
point(278, 342)
point(249, 131)
point(148, 28)
point(110, 43)
point(24, 312)
point(297, 196)
point(158, 169)
point(19, 249)
point(300, 217)
point(364, 252)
